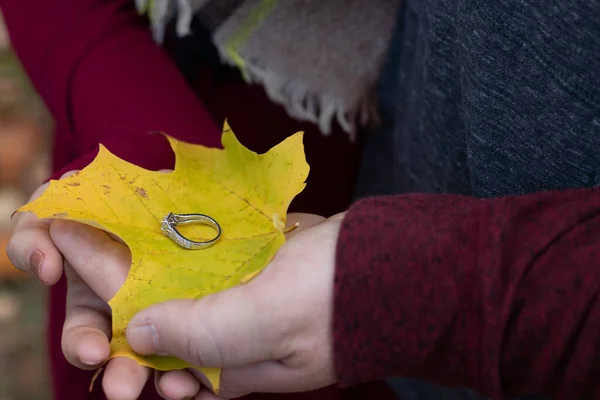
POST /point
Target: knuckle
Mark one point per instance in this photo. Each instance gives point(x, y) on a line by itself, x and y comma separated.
point(73, 278)
point(192, 350)
point(200, 343)
point(301, 352)
point(303, 356)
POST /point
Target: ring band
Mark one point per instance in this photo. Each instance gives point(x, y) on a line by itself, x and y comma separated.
point(169, 228)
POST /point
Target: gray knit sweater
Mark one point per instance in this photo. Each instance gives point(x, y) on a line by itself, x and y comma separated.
point(489, 98)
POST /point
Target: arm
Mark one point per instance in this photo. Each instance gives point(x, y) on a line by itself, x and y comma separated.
point(499, 295)
point(104, 80)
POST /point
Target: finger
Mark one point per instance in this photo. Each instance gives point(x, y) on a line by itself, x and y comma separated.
point(157, 377)
point(97, 260)
point(337, 216)
point(84, 342)
point(268, 377)
point(179, 384)
point(228, 328)
point(30, 248)
point(100, 261)
point(86, 330)
point(124, 379)
point(206, 394)
point(86, 336)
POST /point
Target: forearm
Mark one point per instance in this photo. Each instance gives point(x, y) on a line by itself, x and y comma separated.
point(498, 295)
point(104, 80)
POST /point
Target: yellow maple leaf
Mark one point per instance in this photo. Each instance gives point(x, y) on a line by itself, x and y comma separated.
point(248, 194)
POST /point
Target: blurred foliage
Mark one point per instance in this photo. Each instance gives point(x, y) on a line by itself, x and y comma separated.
point(23, 358)
point(18, 98)
point(23, 365)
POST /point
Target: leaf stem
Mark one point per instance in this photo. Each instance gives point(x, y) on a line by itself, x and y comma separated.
point(291, 228)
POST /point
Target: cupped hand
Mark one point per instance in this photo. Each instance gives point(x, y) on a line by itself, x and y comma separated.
point(270, 335)
point(96, 266)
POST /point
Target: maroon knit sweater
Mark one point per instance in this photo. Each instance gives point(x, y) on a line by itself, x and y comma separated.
point(500, 295)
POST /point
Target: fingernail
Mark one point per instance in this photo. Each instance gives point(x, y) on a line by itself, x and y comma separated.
point(35, 262)
point(90, 362)
point(143, 339)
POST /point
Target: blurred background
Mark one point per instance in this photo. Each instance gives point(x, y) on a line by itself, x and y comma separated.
point(24, 163)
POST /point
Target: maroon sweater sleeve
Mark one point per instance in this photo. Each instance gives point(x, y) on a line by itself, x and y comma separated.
point(104, 81)
point(499, 295)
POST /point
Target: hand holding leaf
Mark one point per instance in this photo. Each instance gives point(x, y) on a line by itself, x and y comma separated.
point(248, 194)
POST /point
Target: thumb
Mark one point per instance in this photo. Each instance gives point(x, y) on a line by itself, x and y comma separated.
point(225, 329)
